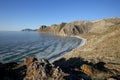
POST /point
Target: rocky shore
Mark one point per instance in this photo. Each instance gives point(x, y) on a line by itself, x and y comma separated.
point(71, 69)
point(98, 59)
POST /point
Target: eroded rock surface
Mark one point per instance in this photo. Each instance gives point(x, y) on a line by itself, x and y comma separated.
point(43, 70)
point(71, 69)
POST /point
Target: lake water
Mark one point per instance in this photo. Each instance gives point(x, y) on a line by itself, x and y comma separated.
point(16, 46)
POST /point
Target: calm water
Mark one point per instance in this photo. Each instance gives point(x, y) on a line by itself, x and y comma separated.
point(16, 46)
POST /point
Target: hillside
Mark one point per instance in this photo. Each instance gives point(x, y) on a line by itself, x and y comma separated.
point(103, 46)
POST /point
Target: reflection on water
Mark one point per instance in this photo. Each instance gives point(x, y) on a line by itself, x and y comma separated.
point(15, 46)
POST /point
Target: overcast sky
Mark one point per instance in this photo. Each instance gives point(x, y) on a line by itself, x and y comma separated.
point(19, 14)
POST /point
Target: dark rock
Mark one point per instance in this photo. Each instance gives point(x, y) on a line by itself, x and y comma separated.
point(42, 28)
point(101, 66)
point(6, 71)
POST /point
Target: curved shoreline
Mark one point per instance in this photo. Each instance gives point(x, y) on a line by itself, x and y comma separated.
point(83, 42)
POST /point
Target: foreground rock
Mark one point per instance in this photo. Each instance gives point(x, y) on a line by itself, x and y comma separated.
point(43, 70)
point(78, 69)
point(6, 71)
point(71, 69)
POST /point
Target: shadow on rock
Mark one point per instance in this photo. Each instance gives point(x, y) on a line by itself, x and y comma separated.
point(72, 67)
point(78, 69)
point(101, 66)
point(62, 69)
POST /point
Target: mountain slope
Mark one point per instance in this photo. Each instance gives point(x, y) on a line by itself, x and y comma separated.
point(104, 46)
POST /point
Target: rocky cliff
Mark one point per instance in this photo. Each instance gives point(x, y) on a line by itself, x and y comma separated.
point(73, 28)
point(80, 27)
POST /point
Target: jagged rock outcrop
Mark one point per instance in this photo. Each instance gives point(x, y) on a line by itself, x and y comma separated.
point(72, 69)
point(43, 70)
point(29, 60)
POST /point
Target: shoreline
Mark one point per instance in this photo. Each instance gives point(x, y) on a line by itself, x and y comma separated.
point(83, 42)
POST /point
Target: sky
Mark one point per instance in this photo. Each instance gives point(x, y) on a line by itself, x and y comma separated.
point(16, 15)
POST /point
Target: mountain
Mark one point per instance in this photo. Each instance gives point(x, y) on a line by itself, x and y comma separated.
point(72, 28)
point(80, 27)
point(29, 29)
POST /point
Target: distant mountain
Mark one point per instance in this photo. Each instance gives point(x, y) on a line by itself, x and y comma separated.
point(29, 30)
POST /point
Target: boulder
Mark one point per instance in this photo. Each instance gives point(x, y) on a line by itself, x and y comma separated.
point(43, 70)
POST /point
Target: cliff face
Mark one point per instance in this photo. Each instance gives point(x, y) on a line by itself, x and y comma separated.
point(80, 27)
point(73, 28)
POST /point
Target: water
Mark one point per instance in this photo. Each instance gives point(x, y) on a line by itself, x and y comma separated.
point(16, 46)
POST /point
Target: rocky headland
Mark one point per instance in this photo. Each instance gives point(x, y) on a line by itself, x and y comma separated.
point(29, 29)
point(98, 59)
